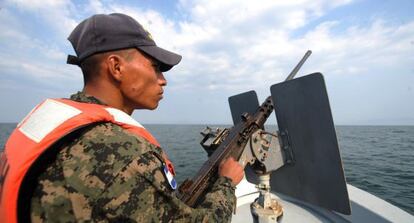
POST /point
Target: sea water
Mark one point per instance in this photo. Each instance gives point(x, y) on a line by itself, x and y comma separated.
point(377, 159)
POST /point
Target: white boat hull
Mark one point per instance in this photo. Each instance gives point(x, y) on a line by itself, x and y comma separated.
point(365, 207)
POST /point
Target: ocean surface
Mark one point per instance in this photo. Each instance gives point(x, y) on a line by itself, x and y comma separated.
point(377, 159)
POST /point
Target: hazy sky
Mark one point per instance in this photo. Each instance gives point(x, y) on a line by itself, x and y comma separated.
point(365, 49)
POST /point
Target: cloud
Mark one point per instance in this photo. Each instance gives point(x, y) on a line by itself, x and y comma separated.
point(361, 50)
point(34, 42)
point(227, 46)
point(242, 44)
point(57, 14)
point(241, 41)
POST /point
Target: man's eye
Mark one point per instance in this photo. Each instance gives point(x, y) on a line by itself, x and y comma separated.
point(157, 67)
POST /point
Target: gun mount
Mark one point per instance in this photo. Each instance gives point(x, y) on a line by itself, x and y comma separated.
point(264, 154)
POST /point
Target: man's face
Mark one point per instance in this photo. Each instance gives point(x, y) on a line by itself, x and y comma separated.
point(142, 82)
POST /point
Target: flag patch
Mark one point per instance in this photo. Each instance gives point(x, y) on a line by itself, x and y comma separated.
point(170, 177)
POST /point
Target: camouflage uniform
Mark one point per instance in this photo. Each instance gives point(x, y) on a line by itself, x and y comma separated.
point(109, 174)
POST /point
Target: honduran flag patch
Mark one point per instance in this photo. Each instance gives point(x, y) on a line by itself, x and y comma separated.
point(170, 177)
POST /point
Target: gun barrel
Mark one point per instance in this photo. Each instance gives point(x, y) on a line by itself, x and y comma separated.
point(299, 65)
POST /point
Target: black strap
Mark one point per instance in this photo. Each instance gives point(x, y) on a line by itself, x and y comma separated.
point(73, 60)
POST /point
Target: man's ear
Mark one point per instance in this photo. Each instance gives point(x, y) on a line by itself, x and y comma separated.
point(115, 65)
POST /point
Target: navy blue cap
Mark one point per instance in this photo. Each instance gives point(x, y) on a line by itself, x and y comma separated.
point(101, 33)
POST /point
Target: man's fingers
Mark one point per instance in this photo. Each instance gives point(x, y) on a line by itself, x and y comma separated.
point(232, 169)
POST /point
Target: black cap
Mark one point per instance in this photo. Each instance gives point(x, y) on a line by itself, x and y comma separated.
point(102, 33)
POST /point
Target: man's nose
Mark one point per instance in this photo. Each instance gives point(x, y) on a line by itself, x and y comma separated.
point(161, 79)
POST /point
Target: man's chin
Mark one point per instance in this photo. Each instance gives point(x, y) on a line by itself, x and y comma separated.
point(147, 106)
point(155, 106)
point(151, 107)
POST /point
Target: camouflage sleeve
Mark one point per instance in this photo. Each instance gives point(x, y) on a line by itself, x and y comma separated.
point(141, 193)
point(107, 174)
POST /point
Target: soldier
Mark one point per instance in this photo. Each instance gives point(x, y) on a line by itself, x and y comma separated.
point(86, 159)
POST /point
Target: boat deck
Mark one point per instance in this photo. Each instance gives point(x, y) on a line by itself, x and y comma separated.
point(365, 208)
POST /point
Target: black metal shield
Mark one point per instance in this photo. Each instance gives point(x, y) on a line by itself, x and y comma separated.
point(241, 103)
point(303, 113)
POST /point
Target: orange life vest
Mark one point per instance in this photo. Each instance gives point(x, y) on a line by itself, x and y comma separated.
point(48, 122)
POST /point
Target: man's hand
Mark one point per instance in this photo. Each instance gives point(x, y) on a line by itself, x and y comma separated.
point(232, 169)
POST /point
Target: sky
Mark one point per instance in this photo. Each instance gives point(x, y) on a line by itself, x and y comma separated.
point(364, 49)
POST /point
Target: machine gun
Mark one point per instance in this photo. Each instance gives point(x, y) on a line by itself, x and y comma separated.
point(232, 143)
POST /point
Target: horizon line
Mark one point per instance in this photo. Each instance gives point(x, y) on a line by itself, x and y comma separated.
point(379, 125)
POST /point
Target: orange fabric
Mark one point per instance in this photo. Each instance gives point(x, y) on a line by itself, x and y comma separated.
point(21, 152)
